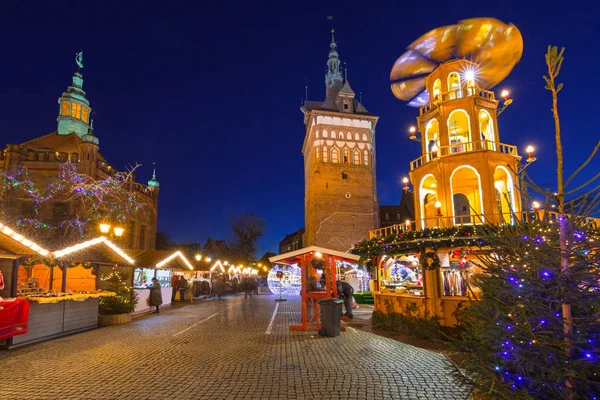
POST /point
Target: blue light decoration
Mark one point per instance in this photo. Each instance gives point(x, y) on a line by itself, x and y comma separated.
point(290, 283)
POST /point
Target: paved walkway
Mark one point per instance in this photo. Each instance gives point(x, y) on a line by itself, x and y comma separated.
point(228, 349)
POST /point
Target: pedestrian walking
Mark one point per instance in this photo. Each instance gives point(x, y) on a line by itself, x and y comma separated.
point(218, 287)
point(248, 286)
point(155, 297)
point(255, 283)
point(182, 286)
point(347, 291)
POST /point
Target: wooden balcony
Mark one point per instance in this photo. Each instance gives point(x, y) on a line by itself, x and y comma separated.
point(457, 94)
point(462, 220)
point(460, 148)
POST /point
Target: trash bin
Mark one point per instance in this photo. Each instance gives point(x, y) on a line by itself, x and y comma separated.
point(331, 312)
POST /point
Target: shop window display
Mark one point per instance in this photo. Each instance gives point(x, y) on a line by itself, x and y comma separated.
point(403, 275)
point(142, 277)
point(457, 278)
point(165, 277)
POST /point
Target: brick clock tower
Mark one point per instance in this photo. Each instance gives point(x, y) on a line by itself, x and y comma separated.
point(340, 202)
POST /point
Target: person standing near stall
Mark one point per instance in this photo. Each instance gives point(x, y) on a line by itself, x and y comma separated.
point(182, 286)
point(345, 289)
point(155, 298)
point(174, 284)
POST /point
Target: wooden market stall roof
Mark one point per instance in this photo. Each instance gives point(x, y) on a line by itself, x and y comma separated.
point(294, 257)
point(15, 243)
point(160, 259)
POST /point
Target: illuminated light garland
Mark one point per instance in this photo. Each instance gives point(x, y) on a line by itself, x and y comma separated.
point(217, 264)
point(24, 241)
point(172, 256)
point(113, 197)
point(291, 282)
point(83, 245)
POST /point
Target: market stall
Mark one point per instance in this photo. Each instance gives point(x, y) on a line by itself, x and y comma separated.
point(157, 264)
point(309, 260)
point(62, 287)
point(435, 282)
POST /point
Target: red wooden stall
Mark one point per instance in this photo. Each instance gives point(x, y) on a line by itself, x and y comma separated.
point(311, 313)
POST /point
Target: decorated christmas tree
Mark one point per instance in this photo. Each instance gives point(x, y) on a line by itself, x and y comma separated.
point(535, 330)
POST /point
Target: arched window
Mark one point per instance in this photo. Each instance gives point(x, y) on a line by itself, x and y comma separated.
point(335, 156)
point(467, 198)
point(366, 156)
point(486, 130)
point(325, 154)
point(387, 216)
point(346, 156)
point(317, 134)
point(324, 134)
point(454, 86)
point(397, 217)
point(356, 158)
point(437, 90)
point(459, 131)
point(332, 135)
point(432, 130)
point(85, 114)
point(348, 136)
point(317, 152)
point(364, 137)
point(341, 136)
point(356, 136)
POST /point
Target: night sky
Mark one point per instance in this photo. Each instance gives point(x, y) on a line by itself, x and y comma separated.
point(213, 93)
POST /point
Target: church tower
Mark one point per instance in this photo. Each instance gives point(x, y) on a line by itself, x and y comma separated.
point(74, 108)
point(341, 203)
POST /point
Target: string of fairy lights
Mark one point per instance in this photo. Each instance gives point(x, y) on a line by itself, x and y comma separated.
point(111, 198)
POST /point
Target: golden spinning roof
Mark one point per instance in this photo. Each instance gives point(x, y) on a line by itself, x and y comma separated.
point(495, 46)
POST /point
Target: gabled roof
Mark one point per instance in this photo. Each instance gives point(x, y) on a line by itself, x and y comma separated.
point(331, 102)
point(293, 257)
point(160, 259)
point(347, 90)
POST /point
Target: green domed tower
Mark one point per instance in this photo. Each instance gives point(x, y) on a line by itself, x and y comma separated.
point(74, 108)
point(153, 183)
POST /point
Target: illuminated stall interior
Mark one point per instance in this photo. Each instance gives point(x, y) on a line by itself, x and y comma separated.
point(402, 274)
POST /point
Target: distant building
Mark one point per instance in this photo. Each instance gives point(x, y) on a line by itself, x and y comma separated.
point(216, 249)
point(74, 140)
point(293, 241)
point(341, 203)
point(392, 215)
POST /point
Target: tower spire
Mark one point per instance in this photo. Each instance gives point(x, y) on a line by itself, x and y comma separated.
point(333, 76)
point(153, 182)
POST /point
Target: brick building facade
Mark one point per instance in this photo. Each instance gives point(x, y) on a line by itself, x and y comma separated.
point(341, 203)
point(75, 141)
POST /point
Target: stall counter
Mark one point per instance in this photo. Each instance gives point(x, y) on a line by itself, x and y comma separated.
point(142, 295)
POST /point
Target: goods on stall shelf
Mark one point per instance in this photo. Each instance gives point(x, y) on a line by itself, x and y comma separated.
point(47, 299)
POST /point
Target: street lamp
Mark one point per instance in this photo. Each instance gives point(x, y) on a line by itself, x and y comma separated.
point(104, 227)
point(198, 257)
point(405, 183)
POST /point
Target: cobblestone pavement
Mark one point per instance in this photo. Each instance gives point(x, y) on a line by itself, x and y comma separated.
point(228, 349)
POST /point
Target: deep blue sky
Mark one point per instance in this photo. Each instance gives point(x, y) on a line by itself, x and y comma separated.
point(212, 93)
